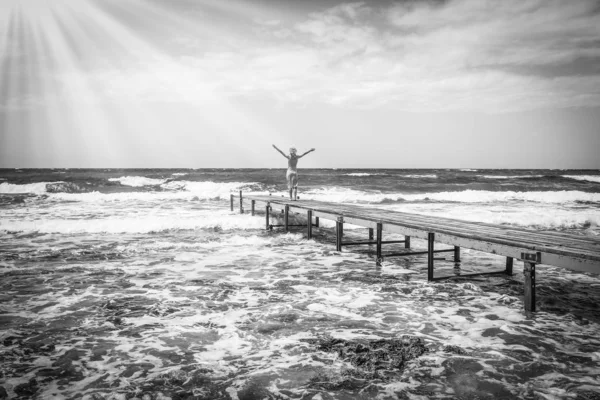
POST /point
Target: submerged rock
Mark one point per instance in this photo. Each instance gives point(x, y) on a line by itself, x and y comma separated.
point(455, 349)
point(27, 389)
point(370, 359)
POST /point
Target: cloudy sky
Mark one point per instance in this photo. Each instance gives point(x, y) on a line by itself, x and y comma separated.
point(213, 83)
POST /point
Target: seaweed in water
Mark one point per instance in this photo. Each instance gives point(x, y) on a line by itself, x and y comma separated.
point(381, 359)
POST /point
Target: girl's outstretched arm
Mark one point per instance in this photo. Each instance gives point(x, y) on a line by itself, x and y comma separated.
point(282, 153)
point(307, 152)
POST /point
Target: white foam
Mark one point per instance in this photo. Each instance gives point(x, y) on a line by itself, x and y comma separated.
point(133, 224)
point(36, 188)
point(540, 216)
point(208, 189)
point(428, 176)
point(363, 174)
point(179, 174)
point(509, 176)
point(137, 181)
point(588, 178)
point(467, 170)
point(176, 190)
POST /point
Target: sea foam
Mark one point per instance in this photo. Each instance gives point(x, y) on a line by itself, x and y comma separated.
point(364, 174)
point(510, 176)
point(345, 195)
point(35, 188)
point(588, 178)
point(138, 181)
point(175, 190)
point(135, 224)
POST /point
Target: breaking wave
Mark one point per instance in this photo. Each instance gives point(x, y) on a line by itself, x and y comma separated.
point(587, 178)
point(35, 188)
point(174, 190)
point(138, 181)
point(364, 174)
point(426, 176)
point(344, 195)
point(510, 176)
point(146, 224)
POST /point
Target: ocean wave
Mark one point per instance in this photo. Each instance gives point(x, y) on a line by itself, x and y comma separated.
point(364, 174)
point(146, 224)
point(35, 188)
point(173, 190)
point(138, 181)
point(344, 195)
point(64, 187)
point(467, 170)
point(536, 216)
point(425, 176)
point(510, 176)
point(180, 174)
point(588, 178)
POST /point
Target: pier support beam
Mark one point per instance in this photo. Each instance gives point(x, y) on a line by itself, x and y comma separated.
point(407, 242)
point(241, 203)
point(286, 218)
point(316, 222)
point(430, 240)
point(456, 254)
point(379, 237)
point(370, 234)
point(267, 211)
point(309, 224)
point(252, 205)
point(231, 201)
point(509, 266)
point(529, 262)
point(339, 233)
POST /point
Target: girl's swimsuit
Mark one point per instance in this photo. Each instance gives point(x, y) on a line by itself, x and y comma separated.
point(292, 178)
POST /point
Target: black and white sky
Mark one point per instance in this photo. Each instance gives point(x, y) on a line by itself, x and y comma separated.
point(213, 83)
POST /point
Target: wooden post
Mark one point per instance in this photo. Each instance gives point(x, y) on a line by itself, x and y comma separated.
point(253, 203)
point(316, 222)
point(529, 262)
point(529, 274)
point(231, 201)
point(370, 234)
point(456, 254)
point(379, 237)
point(286, 218)
point(407, 242)
point(309, 224)
point(430, 240)
point(267, 209)
point(509, 266)
point(241, 203)
point(339, 233)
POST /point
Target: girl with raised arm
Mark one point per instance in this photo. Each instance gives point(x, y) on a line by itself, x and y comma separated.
point(292, 171)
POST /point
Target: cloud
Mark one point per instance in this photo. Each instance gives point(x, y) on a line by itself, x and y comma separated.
point(491, 56)
point(460, 54)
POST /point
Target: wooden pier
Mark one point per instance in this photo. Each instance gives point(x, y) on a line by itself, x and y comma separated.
point(578, 253)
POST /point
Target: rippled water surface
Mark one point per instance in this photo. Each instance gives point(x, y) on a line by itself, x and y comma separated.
point(143, 284)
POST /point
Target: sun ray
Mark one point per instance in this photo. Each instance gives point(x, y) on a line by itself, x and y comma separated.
point(98, 89)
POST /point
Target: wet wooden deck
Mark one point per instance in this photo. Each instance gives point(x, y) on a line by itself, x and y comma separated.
point(574, 252)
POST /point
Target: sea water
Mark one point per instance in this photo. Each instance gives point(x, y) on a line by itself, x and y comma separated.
point(144, 284)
